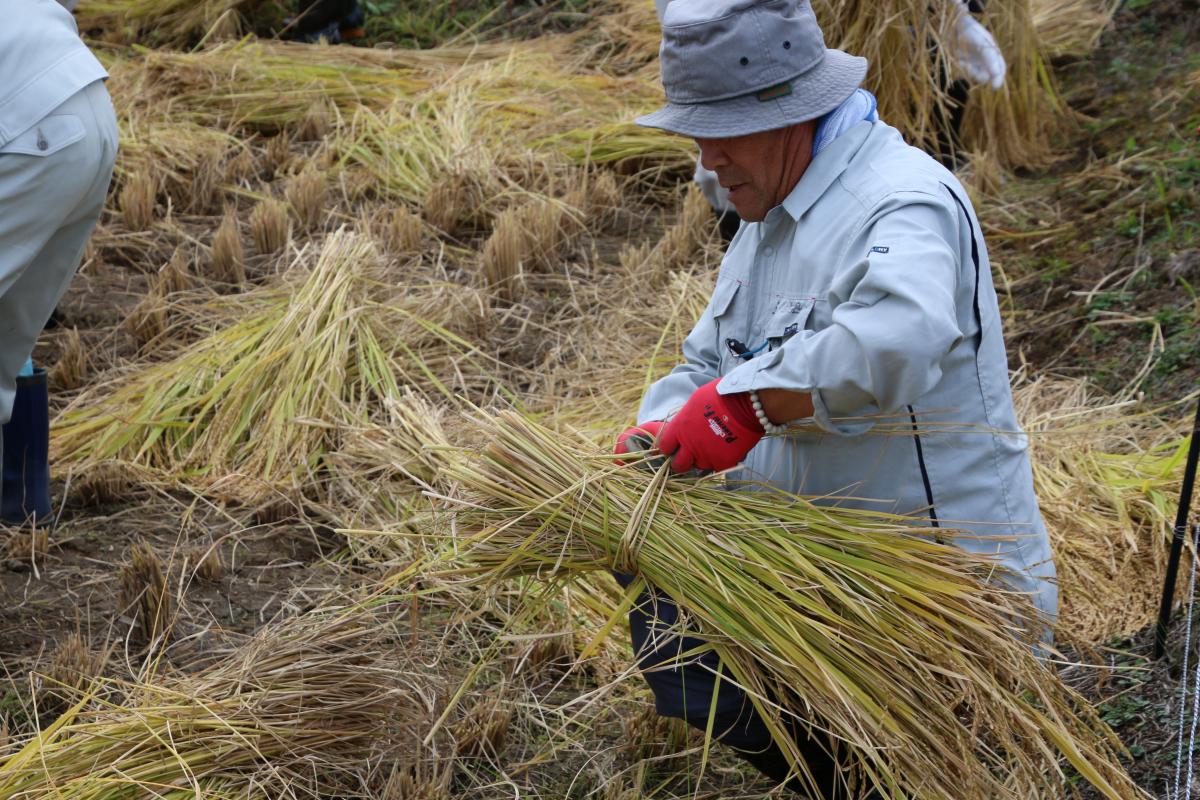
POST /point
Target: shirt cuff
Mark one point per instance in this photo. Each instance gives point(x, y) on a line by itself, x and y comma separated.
point(770, 371)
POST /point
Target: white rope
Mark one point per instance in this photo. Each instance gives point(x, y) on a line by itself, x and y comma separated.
point(1187, 649)
point(1192, 736)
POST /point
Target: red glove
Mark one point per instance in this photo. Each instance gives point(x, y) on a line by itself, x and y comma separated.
point(712, 431)
point(638, 438)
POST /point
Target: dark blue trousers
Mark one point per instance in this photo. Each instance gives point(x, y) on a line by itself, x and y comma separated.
point(684, 682)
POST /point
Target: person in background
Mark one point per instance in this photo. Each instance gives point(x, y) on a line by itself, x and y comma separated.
point(977, 55)
point(58, 143)
point(852, 348)
point(332, 21)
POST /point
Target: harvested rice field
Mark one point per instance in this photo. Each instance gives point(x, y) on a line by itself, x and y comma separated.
point(334, 392)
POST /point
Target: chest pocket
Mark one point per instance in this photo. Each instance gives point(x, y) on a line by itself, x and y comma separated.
point(789, 317)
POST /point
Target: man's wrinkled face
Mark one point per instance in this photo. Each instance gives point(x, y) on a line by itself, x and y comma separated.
point(759, 169)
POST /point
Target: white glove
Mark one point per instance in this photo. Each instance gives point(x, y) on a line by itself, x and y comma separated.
point(976, 51)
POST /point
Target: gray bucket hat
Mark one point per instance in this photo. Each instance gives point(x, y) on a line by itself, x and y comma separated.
point(733, 67)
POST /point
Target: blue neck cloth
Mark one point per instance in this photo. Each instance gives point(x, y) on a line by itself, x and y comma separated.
point(858, 107)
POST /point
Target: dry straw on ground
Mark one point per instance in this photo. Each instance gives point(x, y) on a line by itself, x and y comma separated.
point(299, 711)
point(255, 405)
point(1107, 474)
point(171, 22)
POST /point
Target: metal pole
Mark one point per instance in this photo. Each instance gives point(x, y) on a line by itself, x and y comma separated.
point(1181, 526)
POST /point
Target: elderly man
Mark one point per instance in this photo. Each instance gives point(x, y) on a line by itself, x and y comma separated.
point(853, 318)
point(978, 57)
point(58, 141)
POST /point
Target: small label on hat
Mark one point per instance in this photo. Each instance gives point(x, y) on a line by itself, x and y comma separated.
point(776, 91)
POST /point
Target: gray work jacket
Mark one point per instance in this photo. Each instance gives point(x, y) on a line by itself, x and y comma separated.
point(869, 287)
point(43, 62)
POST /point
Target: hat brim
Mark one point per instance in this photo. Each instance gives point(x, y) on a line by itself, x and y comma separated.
point(813, 95)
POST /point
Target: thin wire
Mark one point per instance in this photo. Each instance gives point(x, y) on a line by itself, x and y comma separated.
point(1192, 736)
point(1183, 689)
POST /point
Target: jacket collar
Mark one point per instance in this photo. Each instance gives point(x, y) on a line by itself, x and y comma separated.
point(828, 165)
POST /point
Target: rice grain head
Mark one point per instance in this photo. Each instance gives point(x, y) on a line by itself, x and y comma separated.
point(71, 368)
point(228, 255)
point(143, 593)
point(306, 195)
point(269, 226)
point(137, 200)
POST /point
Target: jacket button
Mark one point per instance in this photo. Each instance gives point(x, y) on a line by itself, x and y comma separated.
point(42, 144)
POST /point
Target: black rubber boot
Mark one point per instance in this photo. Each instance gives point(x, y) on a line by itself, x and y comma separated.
point(25, 486)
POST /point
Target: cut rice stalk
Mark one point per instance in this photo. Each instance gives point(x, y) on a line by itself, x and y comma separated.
point(295, 712)
point(256, 405)
point(845, 620)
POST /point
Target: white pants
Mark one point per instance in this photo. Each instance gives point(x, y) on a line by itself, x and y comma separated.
point(53, 181)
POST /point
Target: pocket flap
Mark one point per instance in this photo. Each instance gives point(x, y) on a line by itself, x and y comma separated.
point(789, 318)
point(46, 138)
point(723, 294)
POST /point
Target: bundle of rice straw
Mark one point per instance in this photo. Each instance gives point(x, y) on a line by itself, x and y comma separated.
point(1071, 28)
point(298, 711)
point(269, 85)
point(910, 45)
point(536, 94)
point(254, 405)
point(176, 23)
point(844, 620)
